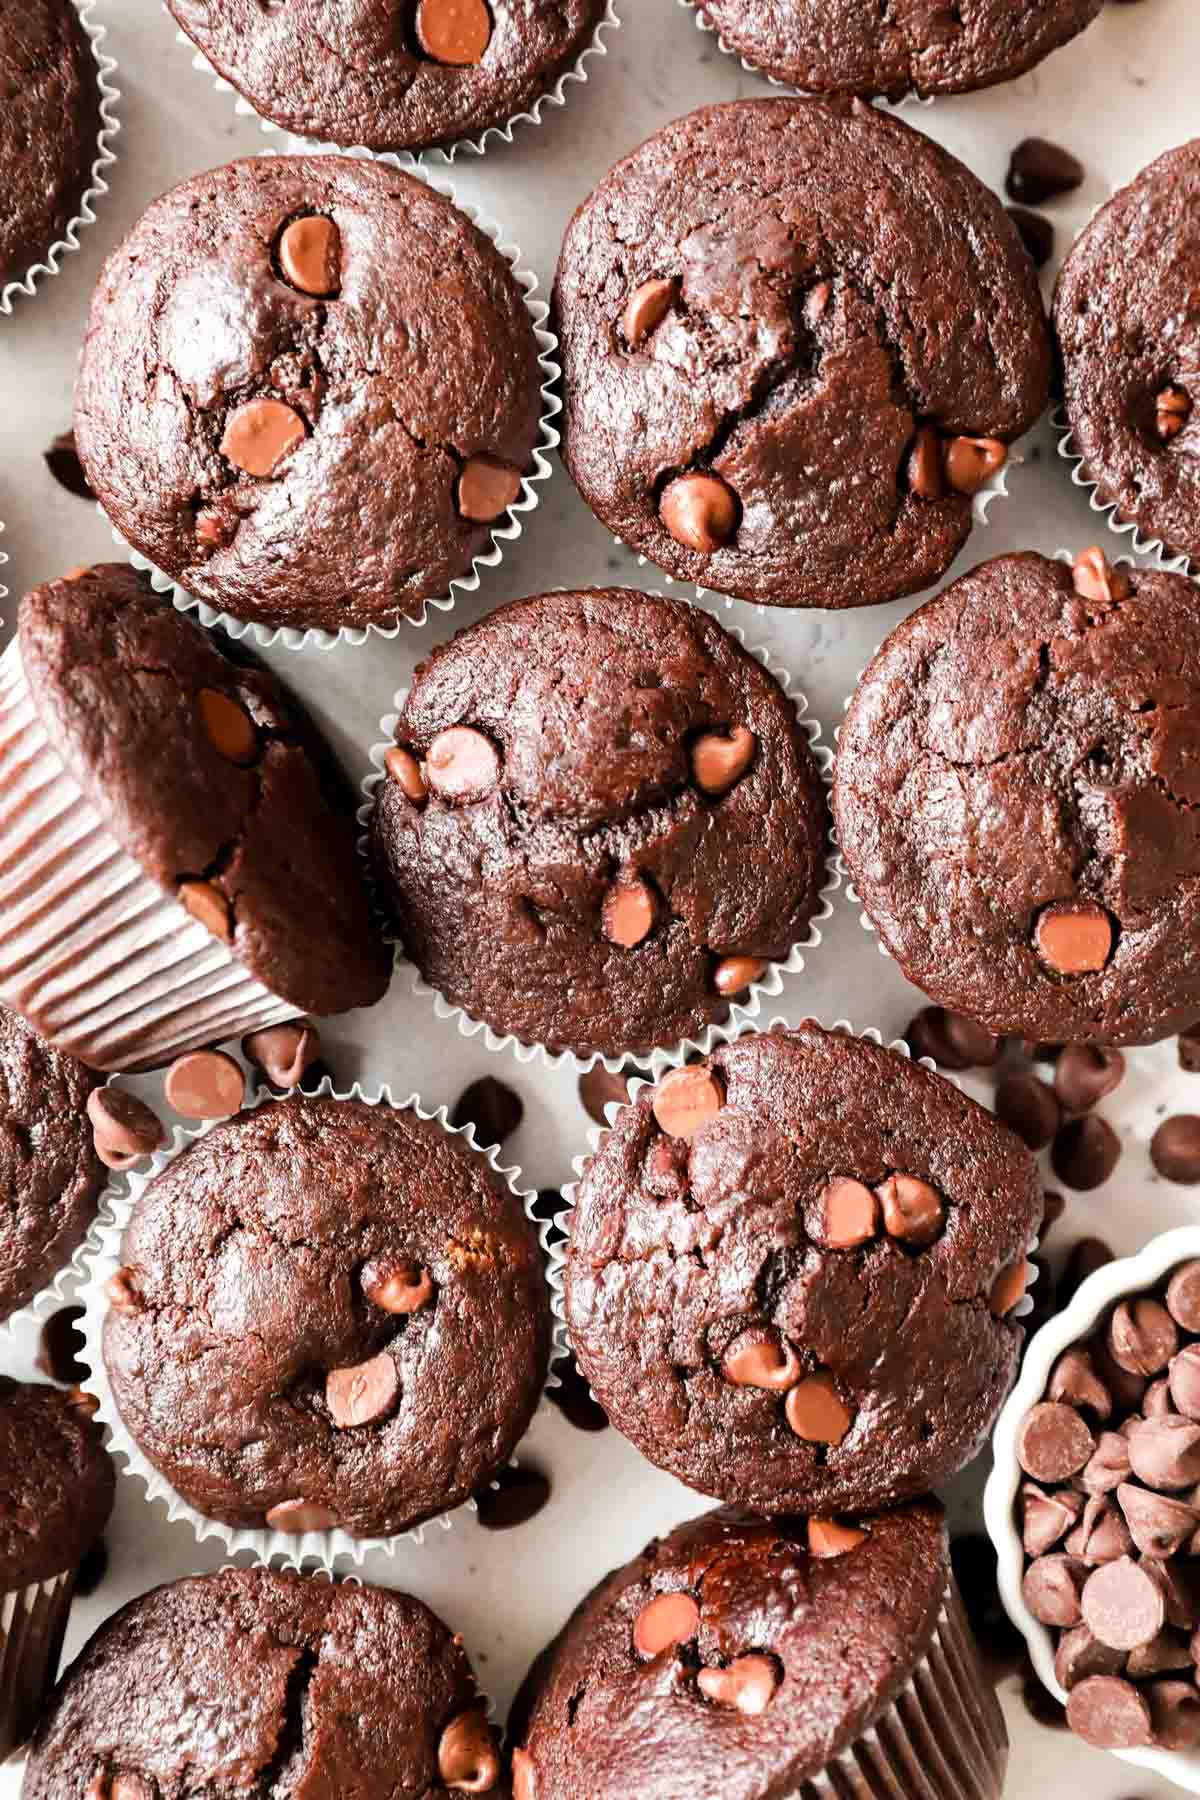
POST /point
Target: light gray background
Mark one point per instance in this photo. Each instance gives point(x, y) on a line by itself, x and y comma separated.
point(1118, 96)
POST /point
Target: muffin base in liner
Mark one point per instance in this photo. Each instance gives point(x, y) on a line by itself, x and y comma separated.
point(33, 1623)
point(299, 637)
point(92, 951)
point(1171, 562)
point(473, 145)
point(104, 1259)
point(741, 1012)
point(107, 97)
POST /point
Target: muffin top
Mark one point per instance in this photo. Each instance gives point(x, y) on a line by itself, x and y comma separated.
point(860, 47)
point(790, 1269)
point(48, 128)
point(1015, 796)
point(359, 73)
point(56, 1483)
point(624, 1700)
point(796, 338)
point(601, 817)
point(50, 1174)
point(329, 1314)
point(207, 773)
point(1129, 332)
point(309, 387)
point(264, 1681)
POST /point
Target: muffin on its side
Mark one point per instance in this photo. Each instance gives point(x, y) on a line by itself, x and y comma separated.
point(329, 1314)
point(264, 1681)
point(748, 1659)
point(791, 1272)
point(797, 339)
point(860, 47)
point(1015, 794)
point(48, 128)
point(335, 444)
point(600, 821)
point(56, 1493)
point(1125, 319)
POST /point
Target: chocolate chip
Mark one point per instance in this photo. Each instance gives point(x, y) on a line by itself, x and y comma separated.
point(759, 1358)
point(1188, 1046)
point(461, 764)
point(832, 1537)
point(1095, 578)
point(816, 1412)
point(1157, 1399)
point(734, 974)
point(1175, 1712)
point(1028, 1107)
point(1085, 1074)
point(1037, 234)
point(912, 1210)
point(926, 470)
point(261, 435)
point(646, 308)
point(687, 1099)
point(284, 1053)
point(1127, 1389)
point(627, 915)
point(1175, 1148)
point(747, 1684)
point(574, 1398)
point(492, 1107)
point(208, 906)
point(455, 32)
point(121, 1293)
point(310, 255)
point(1039, 171)
point(487, 488)
point(699, 511)
point(1169, 1650)
point(971, 462)
point(1184, 1381)
point(228, 726)
point(1172, 410)
point(1073, 937)
point(1085, 1153)
point(62, 460)
point(1009, 1288)
point(1158, 1525)
point(847, 1213)
point(598, 1089)
point(1183, 1296)
point(1053, 1442)
point(363, 1393)
point(1046, 1518)
point(1109, 1712)
point(951, 1039)
point(1075, 1381)
point(124, 1124)
point(468, 1755)
point(1165, 1452)
point(1101, 1535)
point(59, 1344)
point(663, 1623)
point(399, 1288)
point(1079, 1655)
point(1087, 1255)
point(299, 1515)
point(1142, 1336)
point(1108, 1466)
point(205, 1084)
point(1052, 1587)
point(718, 761)
point(524, 1775)
point(404, 769)
point(512, 1498)
point(92, 1569)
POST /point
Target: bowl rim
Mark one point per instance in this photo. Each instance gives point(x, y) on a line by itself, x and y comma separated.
point(1114, 1281)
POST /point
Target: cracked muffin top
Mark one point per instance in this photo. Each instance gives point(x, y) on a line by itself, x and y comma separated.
point(1016, 791)
point(50, 1174)
point(309, 389)
point(48, 128)
point(797, 338)
point(737, 1657)
point(387, 76)
point(266, 1683)
point(791, 1271)
point(329, 1314)
point(56, 1482)
point(600, 821)
point(1128, 328)
point(861, 47)
point(209, 775)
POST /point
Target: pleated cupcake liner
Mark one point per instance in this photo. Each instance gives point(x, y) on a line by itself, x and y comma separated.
point(576, 74)
point(1170, 562)
point(297, 637)
point(663, 1056)
point(108, 98)
point(33, 1623)
point(906, 104)
point(92, 951)
point(103, 1259)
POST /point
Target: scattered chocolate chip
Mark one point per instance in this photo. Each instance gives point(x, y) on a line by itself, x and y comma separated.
point(1037, 234)
point(492, 1107)
point(205, 1084)
point(487, 488)
point(759, 1358)
point(699, 511)
point(1039, 171)
point(92, 1569)
point(1086, 1074)
point(512, 1497)
point(468, 1754)
point(1085, 1153)
point(646, 308)
point(1087, 1255)
point(971, 462)
point(62, 460)
point(912, 1210)
point(310, 255)
point(1053, 1443)
point(1028, 1107)
point(59, 1344)
point(404, 769)
point(718, 762)
point(228, 727)
point(461, 764)
point(816, 1412)
point(627, 915)
point(1175, 1148)
point(747, 1684)
point(734, 974)
point(951, 1039)
point(261, 435)
point(455, 32)
point(1073, 937)
point(124, 1124)
point(574, 1398)
point(686, 1099)
point(598, 1089)
point(1189, 1050)
point(1142, 1336)
point(663, 1623)
point(284, 1053)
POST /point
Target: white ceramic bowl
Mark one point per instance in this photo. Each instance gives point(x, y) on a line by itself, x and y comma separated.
point(1130, 1275)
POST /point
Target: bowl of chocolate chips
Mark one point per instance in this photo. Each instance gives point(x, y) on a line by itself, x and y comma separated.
point(1094, 1507)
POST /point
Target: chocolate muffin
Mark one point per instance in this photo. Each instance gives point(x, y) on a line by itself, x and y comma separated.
point(329, 1314)
point(1125, 319)
point(747, 1659)
point(49, 1171)
point(797, 339)
point(309, 389)
point(265, 1681)
point(56, 1493)
point(210, 779)
point(791, 1270)
point(1015, 798)
point(860, 47)
point(391, 79)
point(600, 821)
point(48, 128)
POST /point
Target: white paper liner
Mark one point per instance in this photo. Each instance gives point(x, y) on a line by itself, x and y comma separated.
point(905, 103)
point(1169, 561)
point(92, 951)
point(33, 1621)
point(294, 637)
point(1116, 1280)
point(473, 146)
point(108, 97)
point(740, 1011)
point(104, 1259)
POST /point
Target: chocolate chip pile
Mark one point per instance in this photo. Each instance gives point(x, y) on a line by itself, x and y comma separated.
point(1109, 1514)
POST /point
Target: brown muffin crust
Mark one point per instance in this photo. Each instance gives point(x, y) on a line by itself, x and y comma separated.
point(56, 1483)
point(48, 128)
